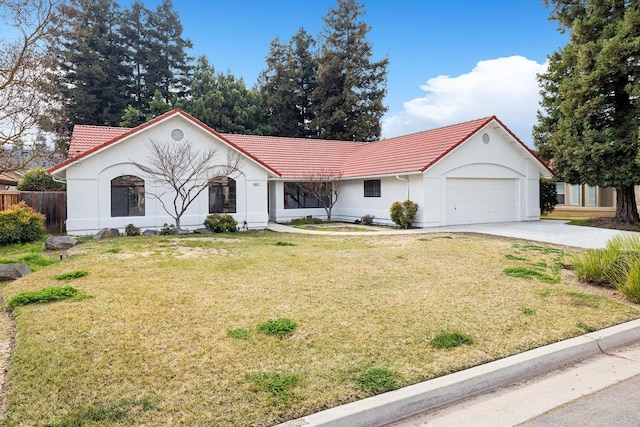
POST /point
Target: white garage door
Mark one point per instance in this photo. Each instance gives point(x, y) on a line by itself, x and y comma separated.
point(475, 201)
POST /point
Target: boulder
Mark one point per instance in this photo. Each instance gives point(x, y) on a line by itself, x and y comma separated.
point(13, 271)
point(150, 233)
point(202, 231)
point(60, 243)
point(107, 233)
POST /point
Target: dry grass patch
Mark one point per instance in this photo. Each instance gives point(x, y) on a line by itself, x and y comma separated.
point(159, 328)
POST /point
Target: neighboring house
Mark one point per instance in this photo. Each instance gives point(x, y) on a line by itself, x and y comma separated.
point(472, 172)
point(10, 180)
point(576, 197)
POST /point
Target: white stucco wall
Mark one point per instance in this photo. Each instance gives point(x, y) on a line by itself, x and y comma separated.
point(89, 184)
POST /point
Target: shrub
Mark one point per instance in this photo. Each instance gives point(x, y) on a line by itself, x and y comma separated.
point(404, 214)
point(627, 279)
point(220, 223)
point(38, 180)
point(131, 230)
point(167, 229)
point(378, 380)
point(42, 296)
point(548, 195)
point(280, 328)
point(450, 340)
point(607, 266)
point(367, 220)
point(20, 224)
point(306, 220)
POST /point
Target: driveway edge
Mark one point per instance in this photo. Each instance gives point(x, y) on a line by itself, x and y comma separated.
point(395, 405)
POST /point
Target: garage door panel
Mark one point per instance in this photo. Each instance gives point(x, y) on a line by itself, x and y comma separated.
point(472, 201)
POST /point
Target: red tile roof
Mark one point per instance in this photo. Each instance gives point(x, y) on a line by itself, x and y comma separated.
point(299, 157)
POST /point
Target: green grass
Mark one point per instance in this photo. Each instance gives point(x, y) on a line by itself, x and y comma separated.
point(528, 273)
point(447, 340)
point(378, 380)
point(280, 328)
point(160, 320)
point(71, 275)
point(43, 296)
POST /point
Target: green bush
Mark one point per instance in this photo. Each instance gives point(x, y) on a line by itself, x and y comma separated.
point(306, 220)
point(627, 280)
point(548, 195)
point(221, 223)
point(38, 180)
point(20, 224)
point(280, 328)
point(605, 266)
point(167, 229)
point(42, 296)
point(404, 214)
point(131, 230)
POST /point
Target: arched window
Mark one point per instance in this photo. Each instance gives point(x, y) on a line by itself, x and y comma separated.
point(222, 195)
point(127, 196)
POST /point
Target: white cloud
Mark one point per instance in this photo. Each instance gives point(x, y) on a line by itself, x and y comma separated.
point(504, 87)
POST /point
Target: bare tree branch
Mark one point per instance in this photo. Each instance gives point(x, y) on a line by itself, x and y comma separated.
point(324, 185)
point(24, 62)
point(183, 172)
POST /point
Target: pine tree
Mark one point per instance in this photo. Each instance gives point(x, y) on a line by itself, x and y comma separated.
point(135, 32)
point(223, 101)
point(93, 79)
point(350, 87)
point(588, 125)
point(287, 86)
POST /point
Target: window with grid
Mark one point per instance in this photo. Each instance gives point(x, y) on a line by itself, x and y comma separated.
point(372, 188)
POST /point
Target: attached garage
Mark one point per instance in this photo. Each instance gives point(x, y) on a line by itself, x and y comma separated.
point(476, 200)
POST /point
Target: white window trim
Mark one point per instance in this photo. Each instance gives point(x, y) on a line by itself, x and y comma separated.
point(575, 196)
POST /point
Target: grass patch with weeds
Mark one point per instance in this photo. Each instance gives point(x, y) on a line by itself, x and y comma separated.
point(528, 273)
point(157, 324)
point(280, 328)
point(515, 258)
point(447, 340)
point(239, 334)
point(527, 311)
point(586, 327)
point(115, 250)
point(44, 295)
point(71, 275)
point(285, 244)
point(537, 248)
point(378, 380)
point(118, 411)
point(279, 386)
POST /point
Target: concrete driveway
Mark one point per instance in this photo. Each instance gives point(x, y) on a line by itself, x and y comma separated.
point(544, 231)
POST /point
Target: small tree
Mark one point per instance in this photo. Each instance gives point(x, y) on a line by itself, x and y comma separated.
point(324, 186)
point(38, 180)
point(548, 195)
point(178, 168)
point(404, 214)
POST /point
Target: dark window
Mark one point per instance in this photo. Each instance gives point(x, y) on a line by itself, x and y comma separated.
point(295, 197)
point(127, 196)
point(372, 188)
point(222, 195)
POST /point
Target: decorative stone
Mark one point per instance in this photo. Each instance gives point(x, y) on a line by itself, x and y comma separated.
point(202, 231)
point(107, 233)
point(60, 243)
point(150, 233)
point(13, 271)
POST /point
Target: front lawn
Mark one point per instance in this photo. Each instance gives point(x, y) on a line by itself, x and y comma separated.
point(179, 330)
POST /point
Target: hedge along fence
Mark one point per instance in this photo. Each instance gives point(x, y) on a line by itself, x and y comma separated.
point(52, 204)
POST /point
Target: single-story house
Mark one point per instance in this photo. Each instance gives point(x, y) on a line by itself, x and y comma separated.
point(472, 172)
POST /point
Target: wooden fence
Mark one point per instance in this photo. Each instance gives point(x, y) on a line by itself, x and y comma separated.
point(52, 204)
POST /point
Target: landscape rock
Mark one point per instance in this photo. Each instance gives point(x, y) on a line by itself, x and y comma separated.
point(202, 231)
point(150, 233)
point(60, 243)
point(107, 233)
point(13, 271)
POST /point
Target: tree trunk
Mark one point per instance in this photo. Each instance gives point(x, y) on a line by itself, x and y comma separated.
point(626, 207)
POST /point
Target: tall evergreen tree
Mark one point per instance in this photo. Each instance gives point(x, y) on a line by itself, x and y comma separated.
point(350, 87)
point(134, 30)
point(223, 102)
point(588, 125)
point(168, 67)
point(93, 78)
point(287, 86)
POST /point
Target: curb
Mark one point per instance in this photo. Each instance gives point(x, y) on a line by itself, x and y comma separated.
point(395, 405)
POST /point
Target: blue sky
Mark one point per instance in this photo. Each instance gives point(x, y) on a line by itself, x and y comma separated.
point(449, 61)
